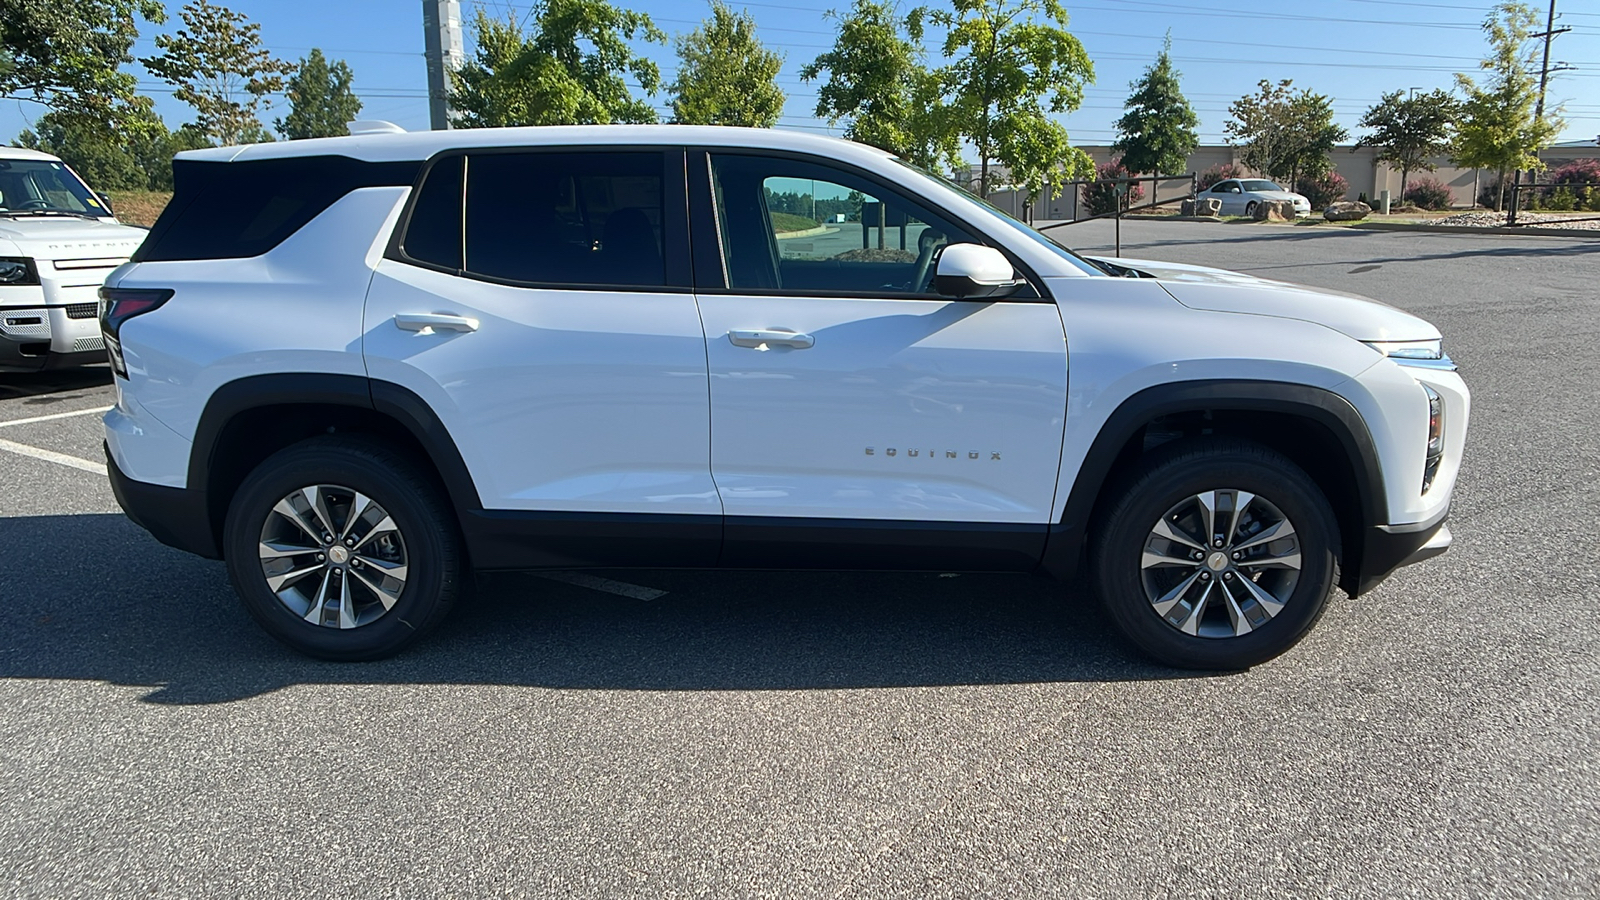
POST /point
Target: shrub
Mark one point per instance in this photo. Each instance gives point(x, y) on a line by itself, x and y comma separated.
point(1428, 193)
point(1573, 174)
point(1328, 189)
point(1220, 172)
point(1591, 198)
point(1562, 200)
point(1100, 199)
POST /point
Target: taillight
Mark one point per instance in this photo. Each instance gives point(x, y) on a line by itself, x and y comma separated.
point(118, 305)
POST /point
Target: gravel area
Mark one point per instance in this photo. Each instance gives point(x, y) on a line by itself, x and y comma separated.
point(1487, 219)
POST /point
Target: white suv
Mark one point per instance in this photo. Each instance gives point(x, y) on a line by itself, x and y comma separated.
point(58, 241)
point(359, 368)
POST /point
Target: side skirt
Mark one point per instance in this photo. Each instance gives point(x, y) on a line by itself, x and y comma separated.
point(512, 539)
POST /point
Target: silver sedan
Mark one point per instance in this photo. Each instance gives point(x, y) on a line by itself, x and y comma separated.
point(1241, 196)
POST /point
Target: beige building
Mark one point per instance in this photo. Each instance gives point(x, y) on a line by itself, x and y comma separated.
point(1359, 166)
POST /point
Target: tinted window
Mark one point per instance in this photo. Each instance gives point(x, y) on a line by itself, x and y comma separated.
point(223, 210)
point(566, 218)
point(433, 234)
point(796, 226)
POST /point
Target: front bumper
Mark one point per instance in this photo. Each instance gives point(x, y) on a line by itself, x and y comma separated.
point(45, 337)
point(1386, 548)
point(177, 517)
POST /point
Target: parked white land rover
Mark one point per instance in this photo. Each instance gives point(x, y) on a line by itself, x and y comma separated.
point(359, 368)
point(58, 241)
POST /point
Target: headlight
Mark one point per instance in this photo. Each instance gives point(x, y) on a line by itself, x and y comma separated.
point(17, 270)
point(1409, 349)
point(1435, 454)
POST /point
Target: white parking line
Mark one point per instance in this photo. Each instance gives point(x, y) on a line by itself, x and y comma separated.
point(63, 459)
point(53, 416)
point(596, 583)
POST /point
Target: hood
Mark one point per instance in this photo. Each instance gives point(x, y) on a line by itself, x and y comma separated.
point(69, 237)
point(1291, 196)
point(1218, 290)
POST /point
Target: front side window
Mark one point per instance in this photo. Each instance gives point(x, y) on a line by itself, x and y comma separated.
point(1226, 187)
point(1259, 185)
point(568, 218)
point(796, 226)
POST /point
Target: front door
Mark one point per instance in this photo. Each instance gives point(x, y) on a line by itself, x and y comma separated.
point(557, 339)
point(858, 419)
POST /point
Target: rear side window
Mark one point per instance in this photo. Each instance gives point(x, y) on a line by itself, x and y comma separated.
point(433, 234)
point(228, 210)
point(566, 218)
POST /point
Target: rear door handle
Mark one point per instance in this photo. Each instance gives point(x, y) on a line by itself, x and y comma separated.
point(430, 322)
point(761, 339)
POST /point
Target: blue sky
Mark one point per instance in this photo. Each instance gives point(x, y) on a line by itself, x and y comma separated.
point(1351, 50)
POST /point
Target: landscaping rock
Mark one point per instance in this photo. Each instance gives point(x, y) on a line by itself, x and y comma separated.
point(1274, 211)
point(1204, 206)
point(1347, 211)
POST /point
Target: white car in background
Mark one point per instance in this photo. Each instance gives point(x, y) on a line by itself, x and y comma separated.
point(58, 241)
point(1241, 196)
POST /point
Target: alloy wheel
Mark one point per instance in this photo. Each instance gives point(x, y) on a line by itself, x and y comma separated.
point(333, 556)
point(1220, 564)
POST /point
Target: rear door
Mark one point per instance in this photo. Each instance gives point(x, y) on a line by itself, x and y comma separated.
point(857, 418)
point(540, 303)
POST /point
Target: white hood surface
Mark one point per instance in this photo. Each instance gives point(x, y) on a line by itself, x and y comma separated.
point(1218, 290)
point(67, 237)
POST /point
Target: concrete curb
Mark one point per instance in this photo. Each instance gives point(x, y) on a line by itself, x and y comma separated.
point(1535, 231)
point(809, 232)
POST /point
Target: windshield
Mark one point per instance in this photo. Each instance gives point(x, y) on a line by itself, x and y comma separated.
point(1026, 231)
point(1259, 185)
point(42, 186)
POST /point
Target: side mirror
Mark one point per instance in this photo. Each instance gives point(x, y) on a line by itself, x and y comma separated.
point(973, 271)
point(105, 202)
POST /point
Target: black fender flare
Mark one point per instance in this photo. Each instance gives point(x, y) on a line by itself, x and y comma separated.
point(1064, 550)
point(329, 389)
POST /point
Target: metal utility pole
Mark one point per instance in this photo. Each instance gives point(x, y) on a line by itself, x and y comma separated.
point(1550, 31)
point(441, 25)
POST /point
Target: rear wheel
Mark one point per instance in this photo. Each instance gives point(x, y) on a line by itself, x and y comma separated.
point(1219, 555)
point(1250, 209)
point(342, 549)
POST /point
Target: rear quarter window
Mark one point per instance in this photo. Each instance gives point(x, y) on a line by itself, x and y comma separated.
point(229, 210)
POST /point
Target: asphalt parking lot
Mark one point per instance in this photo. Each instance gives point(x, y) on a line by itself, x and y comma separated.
point(835, 735)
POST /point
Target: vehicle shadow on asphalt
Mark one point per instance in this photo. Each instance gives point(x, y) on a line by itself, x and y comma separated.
point(92, 597)
point(53, 386)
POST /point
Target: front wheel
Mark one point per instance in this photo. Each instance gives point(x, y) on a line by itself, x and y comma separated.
point(1218, 555)
point(1250, 209)
point(342, 549)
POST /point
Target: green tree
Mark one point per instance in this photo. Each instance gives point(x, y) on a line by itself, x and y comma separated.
point(1012, 65)
point(104, 161)
point(568, 71)
point(140, 162)
point(1284, 133)
point(67, 57)
point(1410, 130)
point(320, 101)
point(877, 81)
point(1158, 131)
point(1499, 129)
point(725, 75)
point(218, 66)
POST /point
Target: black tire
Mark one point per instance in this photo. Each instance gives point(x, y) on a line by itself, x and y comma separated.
point(413, 501)
point(1250, 209)
point(1163, 482)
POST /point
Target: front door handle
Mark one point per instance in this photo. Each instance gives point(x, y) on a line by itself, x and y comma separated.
point(427, 323)
point(761, 339)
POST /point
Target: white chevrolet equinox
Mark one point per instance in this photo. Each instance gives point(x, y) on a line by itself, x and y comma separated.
point(360, 368)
